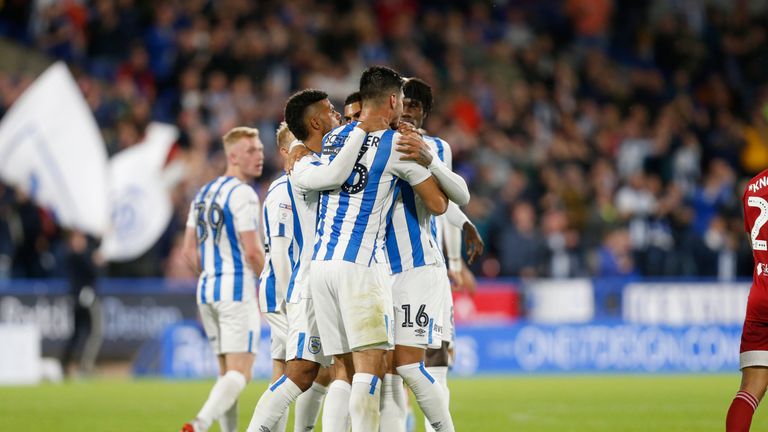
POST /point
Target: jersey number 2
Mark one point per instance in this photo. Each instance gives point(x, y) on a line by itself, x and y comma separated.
point(761, 204)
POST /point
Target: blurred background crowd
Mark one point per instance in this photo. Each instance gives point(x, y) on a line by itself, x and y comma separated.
point(599, 137)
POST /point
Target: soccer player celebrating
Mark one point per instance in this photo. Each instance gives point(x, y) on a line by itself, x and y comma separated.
point(353, 304)
point(309, 115)
point(754, 341)
point(282, 253)
point(221, 242)
point(417, 105)
point(352, 108)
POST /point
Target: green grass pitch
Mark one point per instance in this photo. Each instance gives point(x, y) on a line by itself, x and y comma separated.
point(562, 403)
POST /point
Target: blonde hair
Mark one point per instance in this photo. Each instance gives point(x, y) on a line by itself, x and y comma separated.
point(284, 136)
point(235, 134)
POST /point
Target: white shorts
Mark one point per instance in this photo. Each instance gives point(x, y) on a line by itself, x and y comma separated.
point(231, 327)
point(418, 296)
point(385, 280)
point(446, 318)
point(304, 340)
point(278, 333)
point(353, 307)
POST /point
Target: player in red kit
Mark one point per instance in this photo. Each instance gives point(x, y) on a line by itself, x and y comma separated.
point(753, 359)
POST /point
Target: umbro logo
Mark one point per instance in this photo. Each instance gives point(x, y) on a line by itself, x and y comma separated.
point(264, 429)
point(420, 331)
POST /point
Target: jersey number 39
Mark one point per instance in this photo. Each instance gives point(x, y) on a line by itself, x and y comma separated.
point(214, 218)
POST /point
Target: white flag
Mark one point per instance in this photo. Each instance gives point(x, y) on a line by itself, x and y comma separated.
point(51, 148)
point(140, 198)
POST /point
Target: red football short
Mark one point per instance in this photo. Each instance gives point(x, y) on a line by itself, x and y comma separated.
point(754, 344)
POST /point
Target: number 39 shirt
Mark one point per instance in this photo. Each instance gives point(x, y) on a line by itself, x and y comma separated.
point(222, 209)
point(755, 217)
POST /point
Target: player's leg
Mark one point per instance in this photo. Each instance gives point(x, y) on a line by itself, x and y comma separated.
point(233, 329)
point(393, 409)
point(336, 408)
point(309, 403)
point(754, 381)
point(358, 325)
point(239, 328)
point(305, 353)
point(438, 360)
point(278, 328)
point(415, 330)
point(365, 395)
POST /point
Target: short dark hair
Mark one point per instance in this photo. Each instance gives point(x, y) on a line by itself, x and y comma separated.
point(352, 98)
point(378, 82)
point(296, 109)
point(418, 89)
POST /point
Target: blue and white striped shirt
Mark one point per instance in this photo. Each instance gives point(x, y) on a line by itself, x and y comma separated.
point(221, 210)
point(278, 222)
point(352, 219)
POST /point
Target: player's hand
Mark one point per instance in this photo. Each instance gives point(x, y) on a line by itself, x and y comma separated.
point(414, 148)
point(473, 242)
point(470, 283)
point(457, 279)
point(297, 152)
point(406, 128)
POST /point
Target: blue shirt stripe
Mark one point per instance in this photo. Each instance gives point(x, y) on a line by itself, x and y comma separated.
point(217, 262)
point(369, 195)
point(270, 282)
point(237, 293)
point(201, 197)
point(321, 212)
point(412, 221)
point(393, 251)
point(440, 148)
point(297, 235)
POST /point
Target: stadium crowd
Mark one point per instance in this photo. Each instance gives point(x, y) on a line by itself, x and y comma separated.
point(599, 138)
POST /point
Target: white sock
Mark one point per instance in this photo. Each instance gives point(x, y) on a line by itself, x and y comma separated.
point(392, 410)
point(336, 409)
point(429, 394)
point(308, 408)
point(364, 401)
point(273, 404)
point(440, 374)
point(223, 394)
point(228, 420)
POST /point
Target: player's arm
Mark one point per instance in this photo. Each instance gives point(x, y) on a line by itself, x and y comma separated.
point(189, 250)
point(281, 236)
point(244, 205)
point(281, 262)
point(472, 239)
point(189, 246)
point(252, 250)
point(415, 149)
point(318, 177)
point(433, 197)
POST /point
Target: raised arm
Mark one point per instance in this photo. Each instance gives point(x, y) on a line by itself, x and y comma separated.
point(320, 177)
point(434, 199)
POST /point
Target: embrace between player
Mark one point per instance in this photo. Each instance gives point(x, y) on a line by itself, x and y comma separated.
point(350, 207)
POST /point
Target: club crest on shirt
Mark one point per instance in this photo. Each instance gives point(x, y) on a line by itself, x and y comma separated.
point(761, 269)
point(314, 344)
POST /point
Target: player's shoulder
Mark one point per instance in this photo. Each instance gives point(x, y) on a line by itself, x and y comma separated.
point(758, 185)
point(437, 142)
point(277, 187)
point(337, 136)
point(241, 190)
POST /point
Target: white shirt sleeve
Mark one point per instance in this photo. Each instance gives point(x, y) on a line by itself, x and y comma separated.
point(280, 215)
point(409, 171)
point(310, 175)
point(244, 205)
